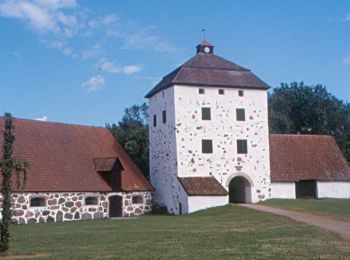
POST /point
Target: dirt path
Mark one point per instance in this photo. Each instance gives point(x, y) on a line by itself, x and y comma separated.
point(340, 227)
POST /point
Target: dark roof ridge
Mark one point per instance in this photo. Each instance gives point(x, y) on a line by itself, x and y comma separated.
point(240, 68)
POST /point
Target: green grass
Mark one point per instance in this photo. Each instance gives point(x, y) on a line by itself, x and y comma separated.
point(229, 232)
point(333, 208)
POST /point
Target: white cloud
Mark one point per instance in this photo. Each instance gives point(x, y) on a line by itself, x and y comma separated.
point(94, 52)
point(44, 118)
point(346, 60)
point(131, 69)
point(108, 66)
point(106, 20)
point(94, 83)
point(42, 16)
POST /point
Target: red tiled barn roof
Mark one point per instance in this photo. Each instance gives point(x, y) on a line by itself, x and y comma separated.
point(301, 157)
point(61, 157)
point(202, 186)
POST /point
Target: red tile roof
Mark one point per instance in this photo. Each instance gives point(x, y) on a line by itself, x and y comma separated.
point(302, 157)
point(202, 186)
point(61, 157)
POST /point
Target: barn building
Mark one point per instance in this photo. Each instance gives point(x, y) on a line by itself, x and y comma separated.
point(75, 172)
point(210, 143)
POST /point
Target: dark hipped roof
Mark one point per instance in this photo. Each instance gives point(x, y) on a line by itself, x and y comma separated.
point(61, 157)
point(303, 157)
point(206, 69)
point(202, 186)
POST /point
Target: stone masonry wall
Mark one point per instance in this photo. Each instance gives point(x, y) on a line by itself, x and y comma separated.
point(163, 161)
point(224, 130)
point(69, 206)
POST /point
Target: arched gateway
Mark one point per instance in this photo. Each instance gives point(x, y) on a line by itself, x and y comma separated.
point(239, 190)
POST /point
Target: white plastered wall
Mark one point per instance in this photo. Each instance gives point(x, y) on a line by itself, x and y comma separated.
point(163, 161)
point(333, 189)
point(283, 190)
point(223, 128)
point(196, 203)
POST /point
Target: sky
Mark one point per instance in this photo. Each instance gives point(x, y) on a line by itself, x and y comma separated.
point(84, 62)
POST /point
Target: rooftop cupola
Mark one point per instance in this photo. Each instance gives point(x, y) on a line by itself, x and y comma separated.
point(205, 47)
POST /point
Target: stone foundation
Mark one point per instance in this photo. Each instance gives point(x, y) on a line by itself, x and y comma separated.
point(69, 206)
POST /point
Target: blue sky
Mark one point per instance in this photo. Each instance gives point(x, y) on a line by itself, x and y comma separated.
point(85, 61)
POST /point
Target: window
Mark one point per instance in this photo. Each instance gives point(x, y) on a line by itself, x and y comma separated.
point(164, 116)
point(201, 91)
point(38, 202)
point(91, 201)
point(221, 92)
point(240, 93)
point(242, 147)
point(154, 120)
point(240, 114)
point(206, 115)
point(137, 200)
point(207, 146)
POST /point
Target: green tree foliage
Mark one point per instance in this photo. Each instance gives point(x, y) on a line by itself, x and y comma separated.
point(298, 108)
point(132, 133)
point(8, 166)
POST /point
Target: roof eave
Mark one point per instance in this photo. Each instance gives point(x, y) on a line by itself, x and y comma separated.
point(152, 92)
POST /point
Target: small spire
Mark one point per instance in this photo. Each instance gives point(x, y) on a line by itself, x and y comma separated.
point(203, 31)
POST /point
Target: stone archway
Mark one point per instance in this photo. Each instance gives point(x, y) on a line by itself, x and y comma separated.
point(239, 190)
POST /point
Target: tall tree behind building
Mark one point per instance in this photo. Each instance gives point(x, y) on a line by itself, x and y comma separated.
point(132, 133)
point(297, 108)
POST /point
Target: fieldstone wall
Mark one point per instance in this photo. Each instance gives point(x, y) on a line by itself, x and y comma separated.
point(69, 206)
point(176, 146)
point(224, 163)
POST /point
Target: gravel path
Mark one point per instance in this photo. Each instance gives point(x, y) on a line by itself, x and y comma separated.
point(340, 227)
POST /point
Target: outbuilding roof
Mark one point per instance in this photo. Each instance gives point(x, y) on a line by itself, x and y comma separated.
point(305, 157)
point(208, 69)
point(202, 186)
point(66, 157)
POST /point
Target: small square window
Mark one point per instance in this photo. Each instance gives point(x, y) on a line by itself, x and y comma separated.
point(38, 202)
point(207, 146)
point(201, 91)
point(91, 201)
point(206, 115)
point(240, 114)
point(164, 116)
point(242, 147)
point(154, 120)
point(137, 200)
point(221, 92)
point(240, 93)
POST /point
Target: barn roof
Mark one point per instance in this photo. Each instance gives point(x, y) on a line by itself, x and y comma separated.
point(65, 157)
point(208, 69)
point(303, 157)
point(202, 186)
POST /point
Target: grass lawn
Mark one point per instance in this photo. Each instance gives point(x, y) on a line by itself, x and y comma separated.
point(229, 232)
point(333, 208)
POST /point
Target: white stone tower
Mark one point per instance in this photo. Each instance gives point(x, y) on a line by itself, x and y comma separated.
point(209, 140)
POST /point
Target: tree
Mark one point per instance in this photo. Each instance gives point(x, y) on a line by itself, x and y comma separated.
point(8, 165)
point(298, 108)
point(132, 133)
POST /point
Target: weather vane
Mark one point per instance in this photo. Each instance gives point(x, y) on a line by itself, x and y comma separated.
point(203, 31)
